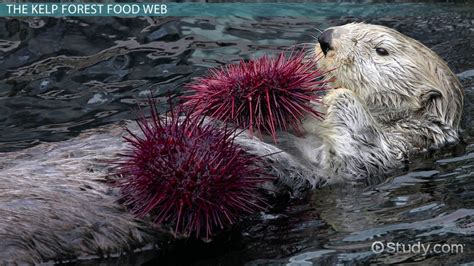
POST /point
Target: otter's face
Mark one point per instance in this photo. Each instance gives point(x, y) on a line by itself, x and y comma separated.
point(388, 69)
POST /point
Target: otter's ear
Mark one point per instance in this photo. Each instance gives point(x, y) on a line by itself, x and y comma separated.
point(430, 95)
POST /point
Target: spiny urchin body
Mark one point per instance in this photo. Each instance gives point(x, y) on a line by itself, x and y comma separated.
point(261, 95)
point(189, 176)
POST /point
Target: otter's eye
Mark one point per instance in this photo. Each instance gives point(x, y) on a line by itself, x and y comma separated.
point(381, 51)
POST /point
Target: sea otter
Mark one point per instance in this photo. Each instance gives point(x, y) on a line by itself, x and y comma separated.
point(392, 96)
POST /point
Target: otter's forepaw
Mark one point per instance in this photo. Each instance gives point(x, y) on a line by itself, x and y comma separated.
point(336, 95)
point(346, 112)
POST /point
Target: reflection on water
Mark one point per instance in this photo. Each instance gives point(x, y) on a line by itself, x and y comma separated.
point(59, 76)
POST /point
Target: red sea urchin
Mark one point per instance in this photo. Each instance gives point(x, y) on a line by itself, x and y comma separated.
point(189, 176)
point(263, 94)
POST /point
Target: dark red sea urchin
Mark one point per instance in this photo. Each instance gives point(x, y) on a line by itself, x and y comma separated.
point(189, 176)
point(265, 94)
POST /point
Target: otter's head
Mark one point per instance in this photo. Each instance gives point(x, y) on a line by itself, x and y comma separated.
point(387, 69)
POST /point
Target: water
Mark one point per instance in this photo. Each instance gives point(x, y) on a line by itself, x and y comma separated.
point(60, 76)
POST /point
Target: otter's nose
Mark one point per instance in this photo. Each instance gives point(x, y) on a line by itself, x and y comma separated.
point(325, 40)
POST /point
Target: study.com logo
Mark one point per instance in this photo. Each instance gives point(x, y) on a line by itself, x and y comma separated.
point(379, 247)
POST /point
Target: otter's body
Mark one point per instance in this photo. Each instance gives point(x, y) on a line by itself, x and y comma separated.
point(394, 96)
point(56, 204)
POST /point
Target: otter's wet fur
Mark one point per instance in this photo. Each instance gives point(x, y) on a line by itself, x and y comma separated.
point(384, 108)
point(55, 203)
